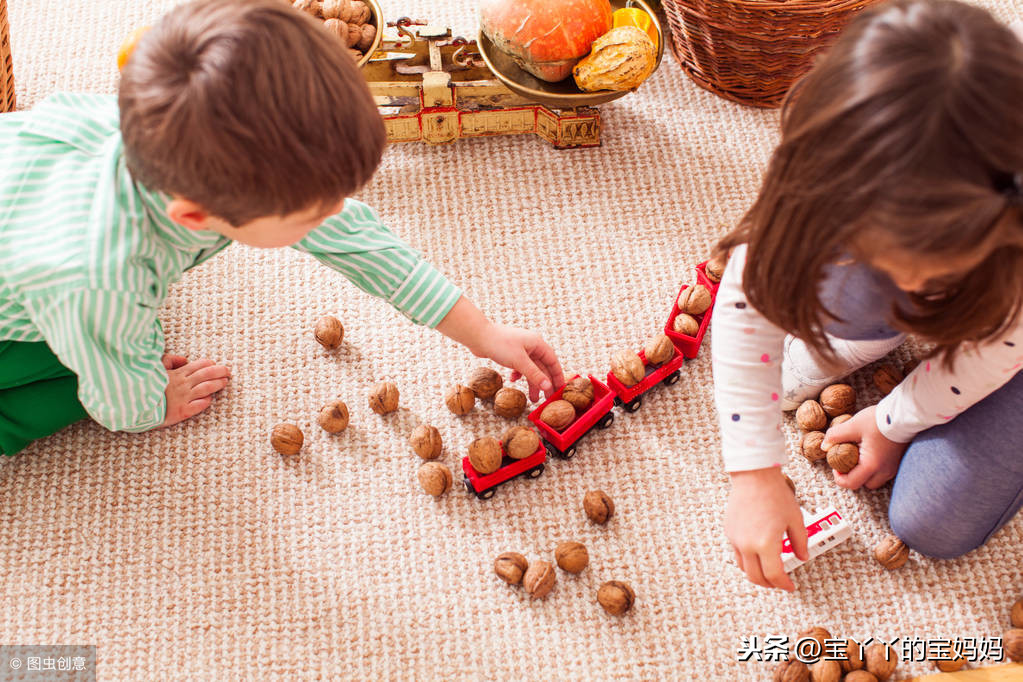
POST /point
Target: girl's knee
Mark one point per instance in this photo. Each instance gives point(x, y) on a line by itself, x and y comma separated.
point(926, 534)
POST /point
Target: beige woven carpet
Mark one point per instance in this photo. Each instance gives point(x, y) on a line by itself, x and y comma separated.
point(196, 553)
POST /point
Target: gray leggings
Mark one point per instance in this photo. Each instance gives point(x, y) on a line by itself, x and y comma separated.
point(959, 482)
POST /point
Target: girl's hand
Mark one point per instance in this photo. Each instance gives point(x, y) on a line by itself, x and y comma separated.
point(879, 457)
point(191, 386)
point(761, 509)
point(527, 355)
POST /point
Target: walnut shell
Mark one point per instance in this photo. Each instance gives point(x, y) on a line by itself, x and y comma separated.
point(838, 399)
point(695, 300)
point(1012, 643)
point(881, 660)
point(891, 553)
point(826, 670)
point(329, 332)
point(333, 417)
point(558, 414)
point(1016, 616)
point(853, 658)
point(485, 455)
point(599, 506)
point(811, 416)
point(840, 419)
point(510, 567)
point(715, 267)
point(860, 676)
point(338, 29)
point(843, 457)
point(955, 662)
point(579, 392)
point(331, 9)
point(313, 7)
point(791, 670)
point(616, 597)
point(509, 402)
point(354, 34)
point(539, 579)
point(659, 349)
point(426, 441)
point(886, 378)
point(818, 633)
point(384, 398)
point(346, 11)
point(369, 34)
point(811, 447)
point(287, 439)
point(627, 367)
point(485, 382)
point(572, 556)
point(520, 442)
point(361, 12)
point(686, 324)
point(435, 478)
point(460, 399)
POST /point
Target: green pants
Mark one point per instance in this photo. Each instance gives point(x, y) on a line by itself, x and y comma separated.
point(38, 395)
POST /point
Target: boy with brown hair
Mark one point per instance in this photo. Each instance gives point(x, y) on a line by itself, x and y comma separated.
point(237, 120)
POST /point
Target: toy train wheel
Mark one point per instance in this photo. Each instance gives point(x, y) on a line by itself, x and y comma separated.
point(486, 494)
point(535, 471)
point(568, 454)
point(618, 401)
point(606, 420)
point(673, 378)
point(468, 486)
point(634, 404)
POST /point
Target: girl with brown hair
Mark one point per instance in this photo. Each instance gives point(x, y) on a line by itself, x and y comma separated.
point(893, 205)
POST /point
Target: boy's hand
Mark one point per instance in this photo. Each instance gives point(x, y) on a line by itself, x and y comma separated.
point(190, 386)
point(761, 509)
point(528, 355)
point(879, 457)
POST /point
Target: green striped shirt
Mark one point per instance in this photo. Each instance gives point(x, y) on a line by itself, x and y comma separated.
point(87, 255)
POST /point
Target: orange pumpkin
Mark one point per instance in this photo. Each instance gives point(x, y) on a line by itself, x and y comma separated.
point(547, 38)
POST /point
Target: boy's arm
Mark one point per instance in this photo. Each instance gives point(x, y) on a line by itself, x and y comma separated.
point(114, 344)
point(368, 254)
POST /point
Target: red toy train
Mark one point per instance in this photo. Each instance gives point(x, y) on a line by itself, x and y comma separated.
point(562, 444)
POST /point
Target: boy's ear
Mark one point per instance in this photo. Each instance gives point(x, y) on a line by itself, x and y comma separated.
point(188, 214)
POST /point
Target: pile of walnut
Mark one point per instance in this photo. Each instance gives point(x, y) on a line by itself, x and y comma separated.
point(836, 402)
point(538, 578)
point(874, 663)
point(486, 385)
point(349, 20)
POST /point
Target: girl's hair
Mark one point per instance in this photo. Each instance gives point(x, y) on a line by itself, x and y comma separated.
point(907, 137)
point(249, 108)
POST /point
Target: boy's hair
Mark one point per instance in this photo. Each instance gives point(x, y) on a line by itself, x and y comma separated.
point(249, 108)
point(907, 136)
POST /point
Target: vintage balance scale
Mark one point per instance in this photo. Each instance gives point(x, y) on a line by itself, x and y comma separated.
point(432, 87)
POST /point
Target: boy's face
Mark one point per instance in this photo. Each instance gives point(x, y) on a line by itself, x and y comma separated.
point(269, 232)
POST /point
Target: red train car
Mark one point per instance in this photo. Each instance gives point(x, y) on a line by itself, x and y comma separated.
point(484, 486)
point(562, 444)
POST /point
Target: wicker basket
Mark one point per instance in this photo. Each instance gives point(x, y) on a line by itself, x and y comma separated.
point(751, 51)
point(6, 67)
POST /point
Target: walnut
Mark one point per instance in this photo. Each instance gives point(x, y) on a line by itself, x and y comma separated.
point(853, 657)
point(286, 439)
point(331, 9)
point(840, 419)
point(860, 676)
point(520, 442)
point(811, 447)
point(426, 441)
point(955, 662)
point(715, 267)
point(329, 332)
point(361, 12)
point(811, 416)
point(333, 417)
point(818, 633)
point(485, 455)
point(558, 414)
point(435, 478)
point(1012, 642)
point(1016, 616)
point(891, 553)
point(539, 579)
point(843, 457)
point(659, 350)
point(791, 671)
point(881, 660)
point(354, 34)
point(579, 392)
point(369, 34)
point(460, 399)
point(338, 29)
point(355, 54)
point(572, 556)
point(616, 597)
point(599, 507)
point(346, 11)
point(509, 402)
point(510, 567)
point(695, 300)
point(627, 367)
point(485, 382)
point(826, 670)
point(313, 7)
point(790, 484)
point(838, 399)
point(686, 324)
point(384, 398)
point(886, 378)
